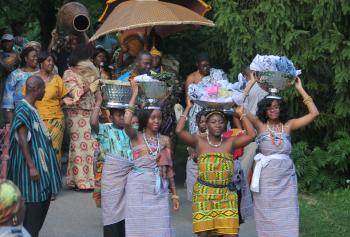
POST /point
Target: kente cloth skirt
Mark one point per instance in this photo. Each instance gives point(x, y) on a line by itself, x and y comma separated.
point(56, 129)
point(80, 173)
point(276, 208)
point(215, 209)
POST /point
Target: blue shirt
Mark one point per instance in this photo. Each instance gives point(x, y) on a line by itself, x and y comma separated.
point(13, 88)
point(113, 140)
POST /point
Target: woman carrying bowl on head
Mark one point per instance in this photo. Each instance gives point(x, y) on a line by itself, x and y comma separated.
point(215, 201)
point(147, 209)
point(274, 182)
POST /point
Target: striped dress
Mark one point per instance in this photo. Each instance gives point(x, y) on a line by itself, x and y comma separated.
point(42, 154)
point(147, 197)
point(215, 209)
point(276, 208)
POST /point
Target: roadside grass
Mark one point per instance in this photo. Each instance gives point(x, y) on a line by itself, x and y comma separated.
point(325, 214)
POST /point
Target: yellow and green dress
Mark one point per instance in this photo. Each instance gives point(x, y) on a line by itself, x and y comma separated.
point(215, 206)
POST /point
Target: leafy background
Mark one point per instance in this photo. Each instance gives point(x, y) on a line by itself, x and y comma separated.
point(315, 34)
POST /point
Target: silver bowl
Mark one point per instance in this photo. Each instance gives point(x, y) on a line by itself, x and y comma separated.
point(214, 105)
point(153, 89)
point(277, 80)
point(116, 94)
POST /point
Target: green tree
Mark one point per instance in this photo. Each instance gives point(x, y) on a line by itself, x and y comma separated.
point(315, 35)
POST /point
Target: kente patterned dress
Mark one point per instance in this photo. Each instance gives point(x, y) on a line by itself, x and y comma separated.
point(215, 208)
point(42, 154)
point(276, 206)
point(80, 172)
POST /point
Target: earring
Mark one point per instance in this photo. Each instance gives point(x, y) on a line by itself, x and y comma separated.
point(14, 220)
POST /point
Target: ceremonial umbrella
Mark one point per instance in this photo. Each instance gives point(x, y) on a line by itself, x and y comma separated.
point(164, 17)
point(199, 6)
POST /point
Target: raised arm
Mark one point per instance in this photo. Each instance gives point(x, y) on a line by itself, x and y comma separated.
point(245, 139)
point(129, 130)
point(94, 123)
point(297, 123)
point(189, 139)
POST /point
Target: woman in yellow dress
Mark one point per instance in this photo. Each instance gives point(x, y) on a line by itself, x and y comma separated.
point(215, 201)
point(55, 96)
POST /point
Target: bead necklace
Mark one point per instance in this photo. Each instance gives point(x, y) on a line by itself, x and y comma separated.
point(274, 133)
point(214, 145)
point(157, 150)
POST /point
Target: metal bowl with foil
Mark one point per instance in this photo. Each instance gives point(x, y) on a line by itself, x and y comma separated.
point(276, 80)
point(116, 94)
point(226, 106)
point(152, 93)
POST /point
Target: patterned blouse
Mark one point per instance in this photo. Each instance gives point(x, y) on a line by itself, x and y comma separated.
point(13, 88)
point(75, 79)
point(114, 140)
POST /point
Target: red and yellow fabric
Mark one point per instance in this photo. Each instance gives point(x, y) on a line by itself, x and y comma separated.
point(215, 209)
point(238, 152)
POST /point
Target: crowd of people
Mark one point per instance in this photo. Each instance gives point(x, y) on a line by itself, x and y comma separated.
point(125, 155)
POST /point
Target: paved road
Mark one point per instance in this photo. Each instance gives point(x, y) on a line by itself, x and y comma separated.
point(74, 214)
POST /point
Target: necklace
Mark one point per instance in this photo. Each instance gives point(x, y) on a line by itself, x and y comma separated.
point(274, 133)
point(150, 151)
point(214, 145)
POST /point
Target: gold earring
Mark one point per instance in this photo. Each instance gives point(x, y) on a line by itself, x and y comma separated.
point(14, 220)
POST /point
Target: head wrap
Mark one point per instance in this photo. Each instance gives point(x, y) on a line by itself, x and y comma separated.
point(34, 44)
point(10, 200)
point(155, 52)
point(211, 113)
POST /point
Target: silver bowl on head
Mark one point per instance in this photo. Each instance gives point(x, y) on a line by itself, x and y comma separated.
point(227, 106)
point(153, 89)
point(274, 80)
point(152, 93)
point(116, 94)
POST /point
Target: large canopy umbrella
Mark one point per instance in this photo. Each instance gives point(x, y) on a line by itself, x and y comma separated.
point(198, 6)
point(164, 17)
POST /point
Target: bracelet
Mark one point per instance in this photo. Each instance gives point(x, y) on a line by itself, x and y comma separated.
point(309, 98)
point(131, 108)
point(242, 116)
point(184, 116)
point(129, 111)
point(175, 197)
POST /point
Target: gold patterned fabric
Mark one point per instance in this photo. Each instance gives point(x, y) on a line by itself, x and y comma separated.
point(215, 209)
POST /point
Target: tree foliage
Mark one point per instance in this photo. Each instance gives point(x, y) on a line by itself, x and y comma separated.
point(315, 34)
